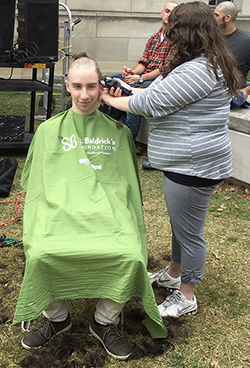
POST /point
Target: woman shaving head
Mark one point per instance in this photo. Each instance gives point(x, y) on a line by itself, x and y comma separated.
point(193, 32)
point(187, 109)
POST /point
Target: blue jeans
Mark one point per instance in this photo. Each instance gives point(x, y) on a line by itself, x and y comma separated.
point(133, 121)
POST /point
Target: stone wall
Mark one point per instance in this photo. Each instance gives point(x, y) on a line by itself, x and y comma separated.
point(115, 32)
point(239, 131)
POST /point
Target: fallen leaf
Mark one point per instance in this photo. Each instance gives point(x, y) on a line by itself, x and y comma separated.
point(247, 196)
point(214, 364)
point(216, 255)
point(222, 207)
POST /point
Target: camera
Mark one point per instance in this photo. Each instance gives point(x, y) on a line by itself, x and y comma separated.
point(109, 82)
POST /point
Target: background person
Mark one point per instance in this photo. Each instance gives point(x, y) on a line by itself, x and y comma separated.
point(187, 109)
point(84, 234)
point(237, 40)
point(148, 67)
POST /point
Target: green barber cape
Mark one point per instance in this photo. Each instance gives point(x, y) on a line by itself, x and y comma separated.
point(83, 229)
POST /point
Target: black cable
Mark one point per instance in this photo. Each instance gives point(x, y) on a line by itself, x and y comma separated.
point(11, 73)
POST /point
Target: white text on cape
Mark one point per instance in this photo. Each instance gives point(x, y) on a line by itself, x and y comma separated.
point(97, 144)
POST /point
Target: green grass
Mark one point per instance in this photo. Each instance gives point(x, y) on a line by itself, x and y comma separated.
point(220, 330)
point(18, 103)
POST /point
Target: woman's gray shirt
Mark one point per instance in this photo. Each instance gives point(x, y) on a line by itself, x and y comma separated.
point(188, 114)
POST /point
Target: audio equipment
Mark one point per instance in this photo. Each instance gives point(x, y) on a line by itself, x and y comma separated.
point(38, 29)
point(7, 20)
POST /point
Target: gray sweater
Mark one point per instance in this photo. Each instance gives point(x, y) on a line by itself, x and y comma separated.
point(188, 114)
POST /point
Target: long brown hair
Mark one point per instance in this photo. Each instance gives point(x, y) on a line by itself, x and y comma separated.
point(193, 31)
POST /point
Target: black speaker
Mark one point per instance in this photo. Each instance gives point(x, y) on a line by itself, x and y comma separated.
point(38, 29)
point(7, 19)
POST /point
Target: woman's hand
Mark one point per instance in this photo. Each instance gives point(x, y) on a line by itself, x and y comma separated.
point(106, 96)
point(123, 83)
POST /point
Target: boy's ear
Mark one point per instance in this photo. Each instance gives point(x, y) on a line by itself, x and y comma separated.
point(100, 88)
point(67, 85)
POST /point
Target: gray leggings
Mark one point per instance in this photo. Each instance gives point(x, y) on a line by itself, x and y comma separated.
point(187, 208)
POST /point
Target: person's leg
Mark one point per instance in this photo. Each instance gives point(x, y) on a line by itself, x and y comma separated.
point(118, 75)
point(108, 311)
point(56, 311)
point(104, 327)
point(56, 321)
point(170, 277)
point(133, 123)
point(187, 208)
point(144, 84)
point(174, 269)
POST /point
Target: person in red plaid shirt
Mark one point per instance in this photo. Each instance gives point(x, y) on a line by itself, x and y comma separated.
point(148, 67)
point(155, 54)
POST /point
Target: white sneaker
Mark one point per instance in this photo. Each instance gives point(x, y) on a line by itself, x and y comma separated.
point(177, 305)
point(164, 280)
point(153, 276)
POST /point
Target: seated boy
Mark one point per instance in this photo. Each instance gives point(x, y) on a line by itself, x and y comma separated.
point(84, 233)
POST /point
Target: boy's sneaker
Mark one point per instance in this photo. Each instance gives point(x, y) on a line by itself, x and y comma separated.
point(177, 305)
point(112, 339)
point(40, 335)
point(164, 280)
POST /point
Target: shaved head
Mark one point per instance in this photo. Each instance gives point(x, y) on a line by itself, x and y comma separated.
point(227, 7)
point(82, 61)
